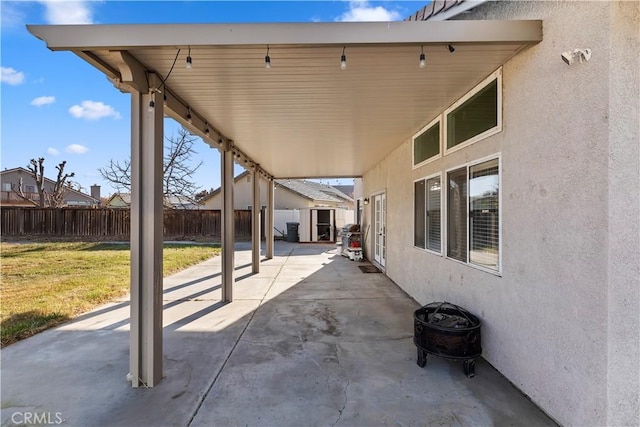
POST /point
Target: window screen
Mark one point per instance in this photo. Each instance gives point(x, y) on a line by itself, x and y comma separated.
point(476, 115)
point(457, 215)
point(427, 144)
point(484, 226)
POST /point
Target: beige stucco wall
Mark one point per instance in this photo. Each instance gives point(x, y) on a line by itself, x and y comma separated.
point(554, 322)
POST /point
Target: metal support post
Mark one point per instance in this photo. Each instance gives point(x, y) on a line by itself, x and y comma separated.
point(146, 241)
point(228, 224)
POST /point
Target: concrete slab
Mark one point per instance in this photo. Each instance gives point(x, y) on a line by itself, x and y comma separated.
point(310, 340)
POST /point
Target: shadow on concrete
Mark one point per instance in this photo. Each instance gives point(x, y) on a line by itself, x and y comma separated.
point(310, 340)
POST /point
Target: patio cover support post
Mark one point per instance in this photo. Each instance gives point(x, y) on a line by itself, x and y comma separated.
point(255, 222)
point(228, 223)
point(146, 241)
point(269, 223)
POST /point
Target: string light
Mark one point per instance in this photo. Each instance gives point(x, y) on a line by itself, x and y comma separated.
point(152, 105)
point(189, 63)
point(267, 60)
point(343, 60)
point(451, 48)
point(189, 115)
point(206, 131)
point(423, 59)
point(164, 99)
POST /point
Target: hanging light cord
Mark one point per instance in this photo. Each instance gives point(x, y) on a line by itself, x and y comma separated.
point(164, 81)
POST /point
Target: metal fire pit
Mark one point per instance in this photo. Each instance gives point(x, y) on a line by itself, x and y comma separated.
point(446, 330)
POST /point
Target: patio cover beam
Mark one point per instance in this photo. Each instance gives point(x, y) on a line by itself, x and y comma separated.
point(119, 37)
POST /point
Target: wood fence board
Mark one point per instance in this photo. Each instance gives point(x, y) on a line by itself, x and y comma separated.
point(114, 223)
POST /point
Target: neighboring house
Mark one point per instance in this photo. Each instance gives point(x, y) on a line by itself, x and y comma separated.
point(520, 202)
point(11, 177)
point(119, 200)
point(289, 194)
point(123, 200)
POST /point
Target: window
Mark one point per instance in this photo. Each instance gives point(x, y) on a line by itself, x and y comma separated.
point(426, 143)
point(484, 219)
point(457, 215)
point(476, 115)
point(29, 188)
point(427, 218)
point(473, 214)
point(6, 186)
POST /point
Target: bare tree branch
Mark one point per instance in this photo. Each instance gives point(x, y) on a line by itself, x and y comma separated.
point(55, 198)
point(20, 192)
point(178, 168)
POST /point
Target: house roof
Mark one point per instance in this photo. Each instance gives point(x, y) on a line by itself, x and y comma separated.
point(313, 190)
point(441, 10)
point(305, 117)
point(347, 190)
point(50, 182)
point(125, 197)
point(307, 189)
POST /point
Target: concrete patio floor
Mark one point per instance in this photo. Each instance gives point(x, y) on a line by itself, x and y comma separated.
point(308, 341)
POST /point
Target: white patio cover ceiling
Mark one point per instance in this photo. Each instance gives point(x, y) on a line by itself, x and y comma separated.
point(305, 117)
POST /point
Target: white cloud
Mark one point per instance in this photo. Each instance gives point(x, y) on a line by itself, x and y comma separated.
point(76, 149)
point(52, 151)
point(67, 12)
point(11, 76)
point(92, 110)
point(13, 15)
point(363, 11)
point(43, 100)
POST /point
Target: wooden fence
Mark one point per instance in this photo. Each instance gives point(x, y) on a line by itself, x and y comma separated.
point(115, 223)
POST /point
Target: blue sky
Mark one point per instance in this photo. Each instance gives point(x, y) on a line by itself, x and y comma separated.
point(54, 105)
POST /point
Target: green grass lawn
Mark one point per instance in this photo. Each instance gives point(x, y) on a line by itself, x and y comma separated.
point(44, 284)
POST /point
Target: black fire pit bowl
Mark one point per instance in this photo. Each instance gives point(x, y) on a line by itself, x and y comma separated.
point(446, 330)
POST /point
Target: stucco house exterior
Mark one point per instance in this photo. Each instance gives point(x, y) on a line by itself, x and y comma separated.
point(11, 177)
point(289, 194)
point(502, 176)
point(528, 214)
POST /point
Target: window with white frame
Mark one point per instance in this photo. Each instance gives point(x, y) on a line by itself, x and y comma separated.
point(426, 144)
point(476, 115)
point(427, 216)
point(6, 186)
point(29, 188)
point(473, 214)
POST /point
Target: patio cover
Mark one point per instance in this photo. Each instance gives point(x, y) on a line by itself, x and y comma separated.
point(305, 117)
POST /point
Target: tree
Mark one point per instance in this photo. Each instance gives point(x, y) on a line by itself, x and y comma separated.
point(53, 198)
point(177, 168)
